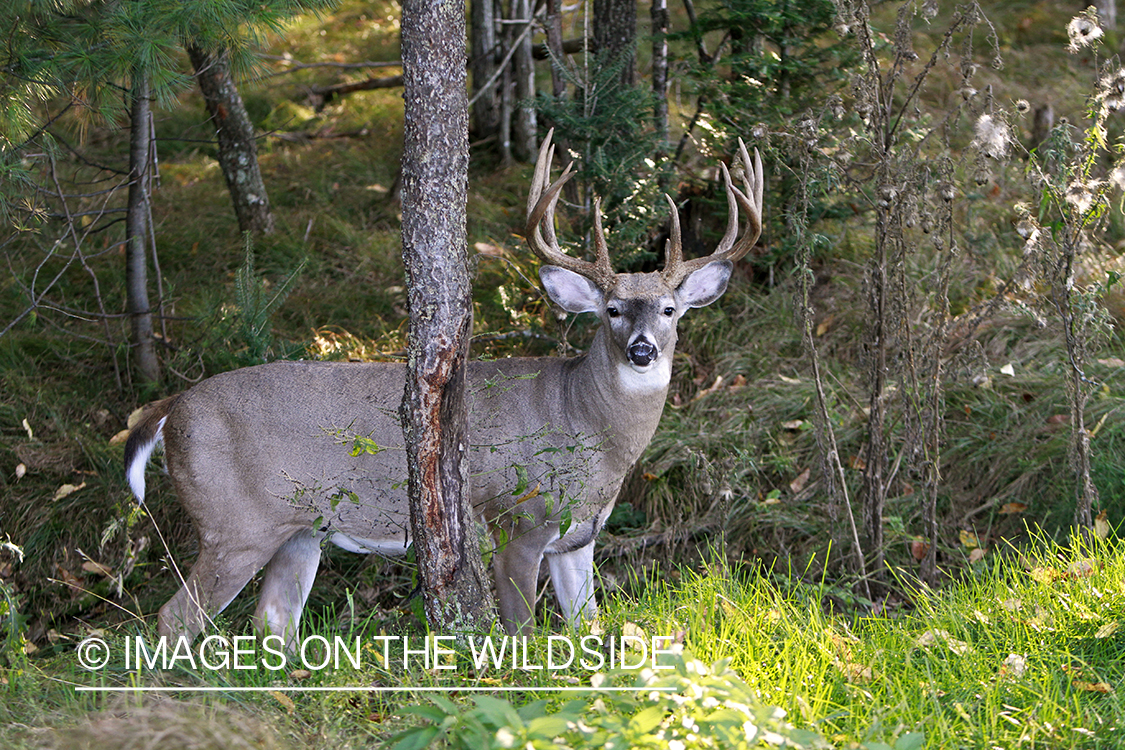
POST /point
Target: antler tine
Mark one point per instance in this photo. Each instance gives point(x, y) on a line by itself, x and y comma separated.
point(540, 229)
point(729, 248)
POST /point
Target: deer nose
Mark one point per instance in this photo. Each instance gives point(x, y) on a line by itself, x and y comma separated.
point(641, 353)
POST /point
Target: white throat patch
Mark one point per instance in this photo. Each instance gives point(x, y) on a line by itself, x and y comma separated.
point(655, 377)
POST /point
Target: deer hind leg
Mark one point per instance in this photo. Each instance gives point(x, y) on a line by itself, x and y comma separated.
point(572, 575)
point(286, 582)
point(223, 569)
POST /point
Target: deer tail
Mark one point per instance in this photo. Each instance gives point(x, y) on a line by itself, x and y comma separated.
point(143, 438)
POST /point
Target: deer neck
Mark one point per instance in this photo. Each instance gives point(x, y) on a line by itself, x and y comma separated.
point(612, 397)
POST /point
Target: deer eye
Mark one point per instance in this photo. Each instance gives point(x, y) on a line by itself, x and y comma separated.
point(612, 312)
point(669, 311)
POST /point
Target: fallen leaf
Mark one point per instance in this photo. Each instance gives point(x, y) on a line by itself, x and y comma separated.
point(1058, 419)
point(648, 476)
point(92, 566)
point(738, 383)
point(919, 548)
point(1008, 369)
point(135, 417)
point(29, 648)
point(119, 438)
point(792, 424)
point(67, 489)
point(1010, 508)
point(493, 251)
point(284, 700)
point(21, 469)
point(790, 381)
point(1105, 631)
point(1112, 362)
point(824, 325)
point(1045, 575)
point(969, 540)
point(634, 630)
point(710, 389)
point(977, 555)
point(1083, 568)
point(1092, 687)
point(300, 674)
point(27, 426)
point(857, 463)
point(931, 637)
point(1012, 605)
point(1101, 525)
point(799, 483)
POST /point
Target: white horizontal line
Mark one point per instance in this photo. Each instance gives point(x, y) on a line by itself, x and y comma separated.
point(368, 689)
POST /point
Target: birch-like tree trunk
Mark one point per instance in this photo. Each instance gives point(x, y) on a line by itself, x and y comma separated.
point(147, 364)
point(435, 165)
point(238, 151)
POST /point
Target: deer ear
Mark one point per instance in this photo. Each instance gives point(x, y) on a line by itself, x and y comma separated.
point(705, 285)
point(572, 292)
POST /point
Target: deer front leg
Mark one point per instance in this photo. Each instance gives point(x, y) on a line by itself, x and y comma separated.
point(515, 568)
point(572, 574)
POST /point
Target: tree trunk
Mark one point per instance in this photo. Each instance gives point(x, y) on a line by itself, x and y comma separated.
point(435, 164)
point(615, 35)
point(136, 232)
point(526, 138)
point(660, 68)
point(238, 151)
point(486, 110)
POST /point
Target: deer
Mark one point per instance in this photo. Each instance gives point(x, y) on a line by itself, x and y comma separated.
point(273, 461)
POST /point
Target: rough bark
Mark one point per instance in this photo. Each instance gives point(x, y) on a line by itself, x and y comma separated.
point(238, 151)
point(615, 33)
point(136, 232)
point(526, 140)
point(458, 597)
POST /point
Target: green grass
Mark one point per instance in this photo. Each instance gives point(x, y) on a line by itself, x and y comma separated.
point(1024, 650)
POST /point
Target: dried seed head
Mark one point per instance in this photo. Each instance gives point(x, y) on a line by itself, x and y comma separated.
point(992, 137)
point(1080, 197)
point(947, 191)
point(1025, 228)
point(1083, 31)
point(1113, 90)
point(1023, 106)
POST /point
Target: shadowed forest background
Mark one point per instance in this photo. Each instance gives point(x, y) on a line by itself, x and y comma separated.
point(916, 373)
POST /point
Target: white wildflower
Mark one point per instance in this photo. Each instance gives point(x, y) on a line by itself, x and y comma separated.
point(676, 745)
point(993, 137)
point(505, 738)
point(1083, 31)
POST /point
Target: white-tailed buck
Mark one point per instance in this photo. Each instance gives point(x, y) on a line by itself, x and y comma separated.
point(270, 461)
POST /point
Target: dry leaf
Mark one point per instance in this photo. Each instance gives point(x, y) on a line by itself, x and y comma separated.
point(710, 389)
point(969, 540)
point(284, 700)
point(1112, 362)
point(1045, 575)
point(919, 548)
point(737, 384)
point(648, 476)
point(21, 469)
point(1010, 508)
point(1101, 525)
point(135, 417)
point(67, 489)
point(119, 438)
point(824, 325)
point(300, 674)
point(977, 555)
point(27, 426)
point(857, 463)
point(634, 630)
point(799, 483)
point(792, 424)
point(493, 251)
point(1105, 631)
point(1083, 568)
point(1008, 369)
point(1092, 687)
point(92, 566)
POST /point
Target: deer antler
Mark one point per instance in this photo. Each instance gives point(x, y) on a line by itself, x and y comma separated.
point(541, 202)
point(676, 269)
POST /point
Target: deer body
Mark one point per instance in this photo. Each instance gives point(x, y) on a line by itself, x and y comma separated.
point(271, 460)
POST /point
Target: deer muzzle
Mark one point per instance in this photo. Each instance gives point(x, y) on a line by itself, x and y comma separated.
point(641, 353)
